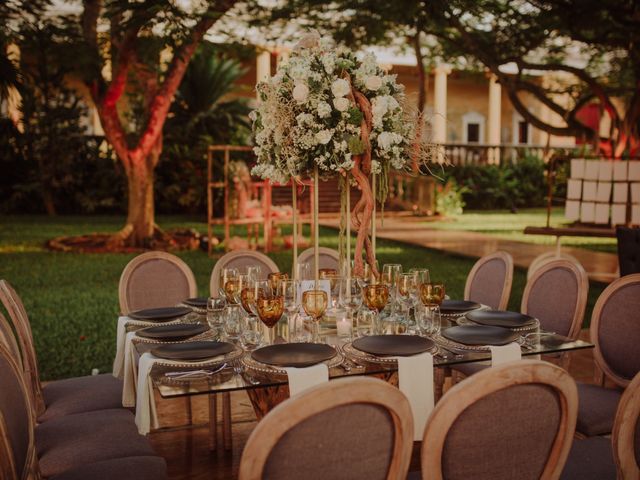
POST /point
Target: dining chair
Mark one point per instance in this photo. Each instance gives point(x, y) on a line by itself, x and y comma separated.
point(8, 339)
point(489, 281)
point(240, 259)
point(628, 250)
point(556, 294)
point(615, 331)
point(515, 420)
point(155, 279)
point(60, 397)
point(596, 458)
point(362, 426)
point(19, 452)
point(327, 258)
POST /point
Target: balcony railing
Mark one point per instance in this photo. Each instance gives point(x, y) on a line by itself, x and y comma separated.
point(486, 154)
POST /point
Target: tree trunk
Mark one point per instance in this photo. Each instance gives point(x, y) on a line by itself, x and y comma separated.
point(141, 216)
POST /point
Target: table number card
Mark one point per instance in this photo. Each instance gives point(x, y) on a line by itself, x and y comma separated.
point(589, 191)
point(604, 192)
point(574, 189)
point(577, 168)
point(587, 212)
point(591, 170)
point(605, 171)
point(635, 193)
point(635, 214)
point(618, 214)
point(572, 210)
point(602, 213)
point(620, 192)
point(634, 170)
point(305, 285)
point(620, 170)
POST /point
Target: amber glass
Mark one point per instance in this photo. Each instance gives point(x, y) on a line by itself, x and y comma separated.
point(248, 298)
point(270, 309)
point(327, 272)
point(314, 303)
point(376, 296)
point(275, 279)
point(231, 290)
point(432, 294)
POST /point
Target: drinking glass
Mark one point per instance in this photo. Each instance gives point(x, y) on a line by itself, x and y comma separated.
point(351, 294)
point(432, 294)
point(289, 290)
point(325, 273)
point(303, 271)
point(233, 318)
point(251, 337)
point(248, 295)
point(422, 275)
point(335, 285)
point(226, 274)
point(429, 320)
point(275, 279)
point(390, 272)
point(406, 290)
point(366, 323)
point(215, 314)
point(314, 303)
point(270, 308)
point(368, 275)
point(375, 297)
point(255, 272)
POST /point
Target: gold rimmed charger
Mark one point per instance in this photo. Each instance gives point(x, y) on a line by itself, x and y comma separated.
point(352, 351)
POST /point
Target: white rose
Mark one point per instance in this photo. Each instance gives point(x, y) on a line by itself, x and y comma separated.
point(373, 83)
point(385, 140)
point(300, 93)
point(324, 109)
point(340, 87)
point(324, 136)
point(341, 104)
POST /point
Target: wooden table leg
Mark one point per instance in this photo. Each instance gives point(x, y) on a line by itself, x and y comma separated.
point(226, 421)
point(438, 380)
point(213, 422)
point(264, 399)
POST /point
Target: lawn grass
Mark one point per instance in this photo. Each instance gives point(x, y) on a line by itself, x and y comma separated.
point(504, 224)
point(72, 299)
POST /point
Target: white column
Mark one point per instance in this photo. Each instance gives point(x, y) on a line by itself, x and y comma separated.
point(495, 111)
point(263, 66)
point(14, 99)
point(440, 104)
point(283, 57)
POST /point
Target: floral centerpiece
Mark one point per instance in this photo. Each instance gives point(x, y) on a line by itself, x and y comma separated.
point(329, 109)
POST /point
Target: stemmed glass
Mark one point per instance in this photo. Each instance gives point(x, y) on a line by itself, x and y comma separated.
point(390, 273)
point(432, 295)
point(255, 272)
point(367, 274)
point(275, 279)
point(303, 271)
point(351, 294)
point(407, 291)
point(375, 297)
point(422, 275)
point(233, 321)
point(314, 303)
point(227, 275)
point(289, 290)
point(270, 307)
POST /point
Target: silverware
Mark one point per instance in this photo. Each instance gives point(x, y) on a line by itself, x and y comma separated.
point(195, 373)
point(452, 352)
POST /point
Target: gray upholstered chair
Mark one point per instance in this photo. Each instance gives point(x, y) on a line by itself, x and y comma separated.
point(21, 459)
point(515, 420)
point(362, 427)
point(153, 280)
point(615, 331)
point(489, 281)
point(240, 259)
point(597, 458)
point(327, 258)
point(61, 397)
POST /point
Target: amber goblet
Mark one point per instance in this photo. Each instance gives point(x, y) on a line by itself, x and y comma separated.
point(270, 309)
point(432, 294)
point(275, 279)
point(314, 303)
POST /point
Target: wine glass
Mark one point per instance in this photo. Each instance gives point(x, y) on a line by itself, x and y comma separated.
point(432, 294)
point(366, 323)
point(314, 303)
point(406, 290)
point(233, 321)
point(251, 337)
point(232, 289)
point(375, 297)
point(215, 314)
point(303, 271)
point(275, 278)
point(255, 272)
point(351, 294)
point(390, 272)
point(422, 275)
point(325, 273)
point(270, 308)
point(335, 285)
point(226, 274)
point(289, 290)
point(248, 295)
point(367, 274)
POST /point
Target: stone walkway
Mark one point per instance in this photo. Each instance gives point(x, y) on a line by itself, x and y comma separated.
point(601, 266)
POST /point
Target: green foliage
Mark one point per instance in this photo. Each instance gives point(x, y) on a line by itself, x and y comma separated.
point(488, 187)
point(449, 199)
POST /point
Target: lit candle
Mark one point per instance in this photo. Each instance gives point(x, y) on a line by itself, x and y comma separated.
point(343, 324)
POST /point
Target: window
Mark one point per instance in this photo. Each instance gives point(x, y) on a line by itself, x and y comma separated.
point(473, 133)
point(523, 132)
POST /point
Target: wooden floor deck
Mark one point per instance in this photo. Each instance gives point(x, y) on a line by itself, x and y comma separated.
point(186, 450)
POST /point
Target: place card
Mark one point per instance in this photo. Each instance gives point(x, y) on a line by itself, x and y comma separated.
point(620, 192)
point(618, 214)
point(591, 169)
point(587, 212)
point(635, 193)
point(589, 191)
point(634, 170)
point(574, 189)
point(604, 192)
point(605, 171)
point(602, 213)
point(572, 210)
point(620, 170)
point(577, 168)
point(635, 214)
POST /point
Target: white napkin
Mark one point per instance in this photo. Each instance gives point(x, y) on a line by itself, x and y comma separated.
point(301, 379)
point(415, 375)
point(130, 372)
point(146, 413)
point(122, 345)
point(505, 353)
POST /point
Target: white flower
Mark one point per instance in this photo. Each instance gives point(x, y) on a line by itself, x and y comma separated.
point(387, 139)
point(329, 63)
point(340, 87)
point(300, 93)
point(341, 104)
point(324, 109)
point(373, 82)
point(324, 136)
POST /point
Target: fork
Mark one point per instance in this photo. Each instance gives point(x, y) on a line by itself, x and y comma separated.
point(195, 373)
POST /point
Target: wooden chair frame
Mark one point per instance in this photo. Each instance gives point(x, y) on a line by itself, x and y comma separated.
point(319, 399)
point(227, 258)
point(602, 301)
point(135, 263)
point(307, 255)
point(624, 431)
point(508, 280)
point(8, 339)
point(31, 471)
point(581, 299)
point(489, 381)
point(20, 320)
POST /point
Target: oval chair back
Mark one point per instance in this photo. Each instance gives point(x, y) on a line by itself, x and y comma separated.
point(240, 259)
point(489, 281)
point(327, 258)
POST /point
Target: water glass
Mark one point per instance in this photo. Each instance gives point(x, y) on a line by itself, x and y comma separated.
point(429, 320)
point(422, 275)
point(226, 274)
point(252, 333)
point(366, 321)
point(351, 293)
point(303, 271)
point(254, 272)
point(233, 321)
point(390, 272)
point(215, 312)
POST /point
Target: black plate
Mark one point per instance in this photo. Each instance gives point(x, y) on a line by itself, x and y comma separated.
point(160, 314)
point(193, 350)
point(294, 354)
point(480, 335)
point(174, 331)
point(501, 318)
point(198, 302)
point(393, 345)
point(458, 306)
